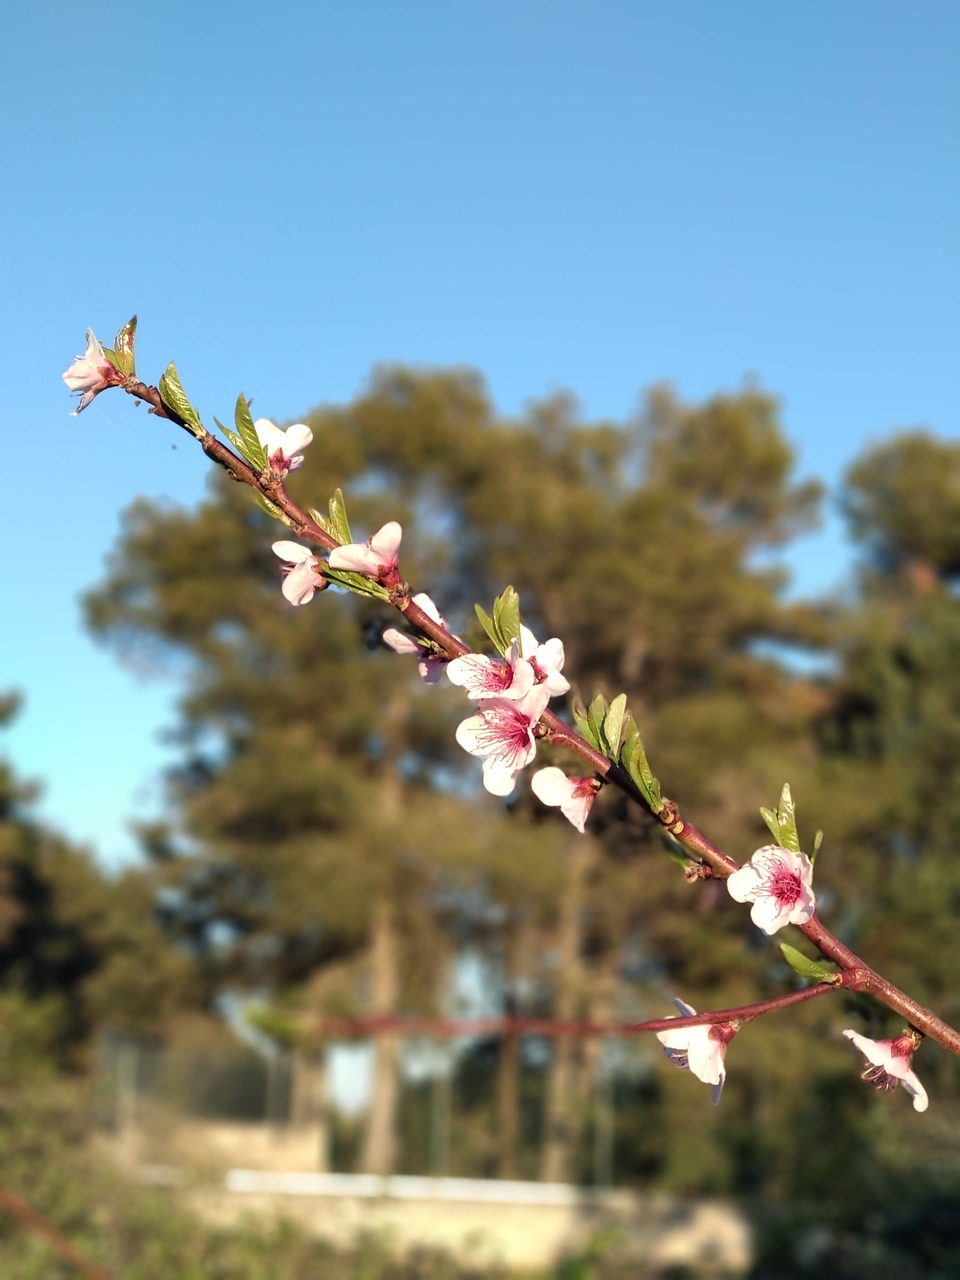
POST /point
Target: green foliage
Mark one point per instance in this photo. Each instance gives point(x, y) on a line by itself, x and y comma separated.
point(77, 948)
point(336, 524)
point(317, 780)
point(783, 823)
point(141, 1234)
point(504, 627)
point(901, 501)
point(174, 397)
point(123, 347)
point(249, 442)
point(819, 970)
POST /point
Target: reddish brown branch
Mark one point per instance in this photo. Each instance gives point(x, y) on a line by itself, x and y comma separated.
point(38, 1224)
point(550, 1028)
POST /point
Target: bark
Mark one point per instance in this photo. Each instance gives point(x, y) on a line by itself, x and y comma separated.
point(380, 1140)
point(508, 1101)
point(563, 1115)
point(308, 1103)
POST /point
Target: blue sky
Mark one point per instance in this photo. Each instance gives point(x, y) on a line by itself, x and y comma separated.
point(562, 194)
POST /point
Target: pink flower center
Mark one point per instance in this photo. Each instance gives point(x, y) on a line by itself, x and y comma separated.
point(506, 733)
point(780, 883)
point(497, 677)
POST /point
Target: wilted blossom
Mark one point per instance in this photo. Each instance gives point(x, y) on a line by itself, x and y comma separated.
point(889, 1064)
point(431, 669)
point(302, 578)
point(375, 558)
point(778, 883)
point(283, 445)
point(573, 796)
point(91, 373)
point(700, 1049)
point(502, 732)
point(526, 664)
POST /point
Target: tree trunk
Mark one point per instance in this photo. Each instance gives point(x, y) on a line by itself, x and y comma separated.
point(516, 947)
point(380, 1142)
point(308, 1103)
point(563, 1118)
point(508, 1097)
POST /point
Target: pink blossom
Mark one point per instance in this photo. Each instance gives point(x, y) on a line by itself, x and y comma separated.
point(91, 373)
point(431, 669)
point(376, 558)
point(574, 796)
point(778, 883)
point(502, 732)
point(283, 445)
point(483, 677)
point(303, 577)
point(700, 1049)
point(546, 660)
point(890, 1064)
point(526, 663)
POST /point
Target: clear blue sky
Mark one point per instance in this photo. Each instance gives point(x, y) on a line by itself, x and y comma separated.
point(586, 195)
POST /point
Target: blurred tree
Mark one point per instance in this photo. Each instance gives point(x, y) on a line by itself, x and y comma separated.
point(78, 948)
point(324, 806)
point(892, 731)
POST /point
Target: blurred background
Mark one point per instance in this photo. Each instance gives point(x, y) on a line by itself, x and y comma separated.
point(644, 309)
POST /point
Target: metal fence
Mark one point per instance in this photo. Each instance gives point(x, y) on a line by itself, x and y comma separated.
point(272, 1109)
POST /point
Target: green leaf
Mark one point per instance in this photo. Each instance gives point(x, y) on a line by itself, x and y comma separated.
point(583, 724)
point(506, 617)
point(123, 348)
point(231, 436)
point(770, 818)
point(613, 723)
point(272, 509)
point(787, 821)
point(633, 759)
point(675, 850)
point(487, 623)
point(817, 842)
point(597, 713)
point(174, 397)
point(339, 524)
point(252, 449)
point(821, 970)
point(358, 583)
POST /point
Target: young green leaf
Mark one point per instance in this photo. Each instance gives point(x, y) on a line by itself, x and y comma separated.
point(174, 397)
point(787, 821)
point(582, 721)
point(339, 524)
point(506, 617)
point(820, 970)
point(613, 724)
point(252, 450)
point(358, 583)
point(231, 436)
point(597, 712)
point(633, 759)
point(489, 627)
point(123, 348)
point(272, 509)
point(770, 818)
point(817, 842)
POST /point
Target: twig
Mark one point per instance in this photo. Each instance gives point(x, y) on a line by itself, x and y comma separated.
point(37, 1223)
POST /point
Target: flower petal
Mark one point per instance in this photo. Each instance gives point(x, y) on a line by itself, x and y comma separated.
point(292, 552)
